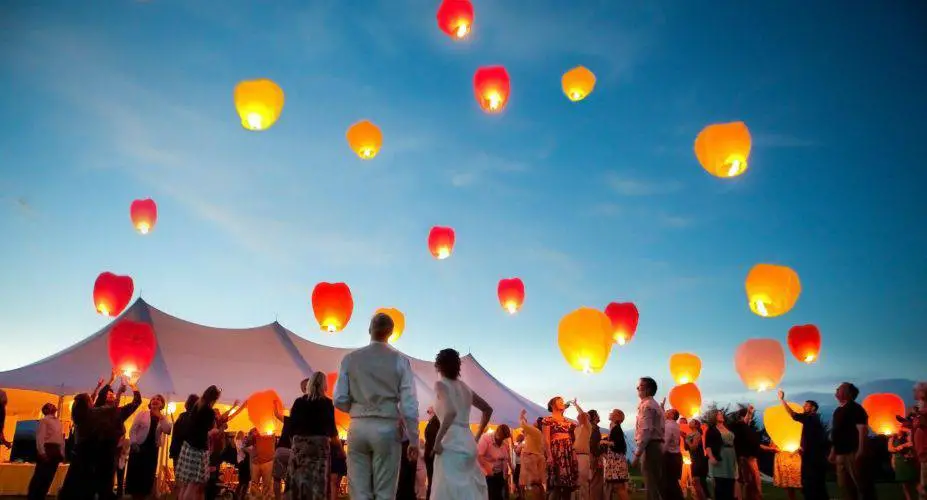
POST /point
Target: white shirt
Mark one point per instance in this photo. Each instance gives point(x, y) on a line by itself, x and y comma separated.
point(49, 432)
point(671, 436)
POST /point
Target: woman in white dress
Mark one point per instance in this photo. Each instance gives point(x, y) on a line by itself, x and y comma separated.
point(457, 475)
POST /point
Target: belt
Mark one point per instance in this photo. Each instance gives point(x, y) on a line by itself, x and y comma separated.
point(581, 453)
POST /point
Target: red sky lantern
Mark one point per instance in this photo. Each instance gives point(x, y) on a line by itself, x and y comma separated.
point(882, 409)
point(455, 17)
point(492, 87)
point(511, 294)
point(112, 293)
point(441, 242)
point(261, 411)
point(624, 317)
point(132, 346)
point(333, 305)
point(805, 343)
point(144, 215)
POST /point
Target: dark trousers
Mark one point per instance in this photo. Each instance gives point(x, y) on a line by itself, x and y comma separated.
point(672, 473)
point(724, 488)
point(813, 480)
point(120, 482)
point(429, 471)
point(496, 486)
point(406, 488)
point(43, 477)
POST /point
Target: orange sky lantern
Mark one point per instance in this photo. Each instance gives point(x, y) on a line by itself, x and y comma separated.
point(132, 346)
point(261, 411)
point(365, 139)
point(687, 399)
point(441, 242)
point(511, 294)
point(259, 103)
point(399, 322)
point(782, 430)
point(492, 87)
point(805, 343)
point(760, 363)
point(585, 339)
point(723, 149)
point(112, 293)
point(144, 215)
point(624, 318)
point(685, 367)
point(578, 83)
point(882, 409)
point(455, 18)
point(772, 290)
point(333, 305)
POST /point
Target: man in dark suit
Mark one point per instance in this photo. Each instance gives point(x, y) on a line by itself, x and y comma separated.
point(431, 432)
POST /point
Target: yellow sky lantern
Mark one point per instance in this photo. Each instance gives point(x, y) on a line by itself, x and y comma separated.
point(782, 430)
point(585, 339)
point(685, 367)
point(365, 139)
point(760, 363)
point(772, 290)
point(399, 322)
point(723, 149)
point(259, 103)
point(578, 83)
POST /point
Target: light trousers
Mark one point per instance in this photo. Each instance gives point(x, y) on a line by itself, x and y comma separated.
point(585, 475)
point(374, 450)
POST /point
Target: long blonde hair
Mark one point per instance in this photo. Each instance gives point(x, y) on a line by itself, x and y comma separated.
point(317, 385)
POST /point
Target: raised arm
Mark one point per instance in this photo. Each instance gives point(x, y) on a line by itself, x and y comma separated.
point(484, 407)
point(583, 417)
point(342, 393)
point(236, 408)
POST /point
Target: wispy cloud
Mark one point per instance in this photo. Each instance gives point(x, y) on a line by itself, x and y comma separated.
point(481, 165)
point(627, 185)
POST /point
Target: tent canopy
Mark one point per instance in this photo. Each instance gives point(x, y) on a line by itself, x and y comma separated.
point(190, 357)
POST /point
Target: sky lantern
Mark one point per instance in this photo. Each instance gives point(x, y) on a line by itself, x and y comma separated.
point(365, 139)
point(511, 294)
point(112, 293)
point(492, 87)
point(144, 215)
point(455, 18)
point(132, 346)
point(623, 317)
point(261, 407)
point(585, 339)
point(687, 399)
point(685, 367)
point(399, 322)
point(441, 242)
point(578, 83)
point(332, 304)
point(882, 409)
point(805, 343)
point(782, 430)
point(259, 103)
point(760, 363)
point(723, 149)
point(772, 290)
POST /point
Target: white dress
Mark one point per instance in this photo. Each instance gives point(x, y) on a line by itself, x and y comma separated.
point(457, 475)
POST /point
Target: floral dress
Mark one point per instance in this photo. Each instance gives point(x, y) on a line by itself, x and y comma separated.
point(787, 470)
point(563, 472)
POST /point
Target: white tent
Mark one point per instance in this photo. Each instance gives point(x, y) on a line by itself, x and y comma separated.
point(190, 357)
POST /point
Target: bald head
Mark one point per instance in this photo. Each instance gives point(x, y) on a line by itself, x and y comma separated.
point(381, 327)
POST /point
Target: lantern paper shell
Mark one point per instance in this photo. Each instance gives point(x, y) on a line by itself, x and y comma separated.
point(365, 139)
point(760, 363)
point(578, 83)
point(685, 367)
point(333, 305)
point(585, 340)
point(132, 346)
point(772, 290)
point(112, 293)
point(441, 242)
point(261, 411)
point(455, 18)
point(624, 318)
point(723, 149)
point(782, 429)
point(259, 103)
point(144, 215)
point(511, 294)
point(399, 322)
point(805, 343)
point(687, 399)
point(882, 409)
point(491, 86)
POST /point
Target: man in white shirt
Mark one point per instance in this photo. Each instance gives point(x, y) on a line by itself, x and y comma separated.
point(672, 457)
point(648, 436)
point(376, 387)
point(49, 441)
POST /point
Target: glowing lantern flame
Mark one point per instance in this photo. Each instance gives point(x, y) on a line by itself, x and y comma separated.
point(585, 339)
point(882, 409)
point(623, 317)
point(492, 86)
point(171, 408)
point(511, 294)
point(441, 242)
point(399, 322)
point(144, 215)
point(365, 139)
point(805, 342)
point(772, 290)
point(723, 149)
point(112, 293)
point(261, 407)
point(760, 363)
point(685, 367)
point(259, 103)
point(782, 430)
point(687, 399)
point(578, 83)
point(131, 346)
point(332, 305)
point(455, 17)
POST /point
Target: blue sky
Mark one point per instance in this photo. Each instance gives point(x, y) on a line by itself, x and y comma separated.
point(587, 202)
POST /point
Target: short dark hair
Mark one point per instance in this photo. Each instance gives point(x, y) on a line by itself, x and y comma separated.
point(814, 404)
point(650, 385)
point(504, 431)
point(47, 408)
point(381, 326)
point(191, 400)
point(852, 391)
point(448, 363)
point(593, 415)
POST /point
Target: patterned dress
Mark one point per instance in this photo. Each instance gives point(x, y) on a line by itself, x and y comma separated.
point(787, 470)
point(563, 472)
